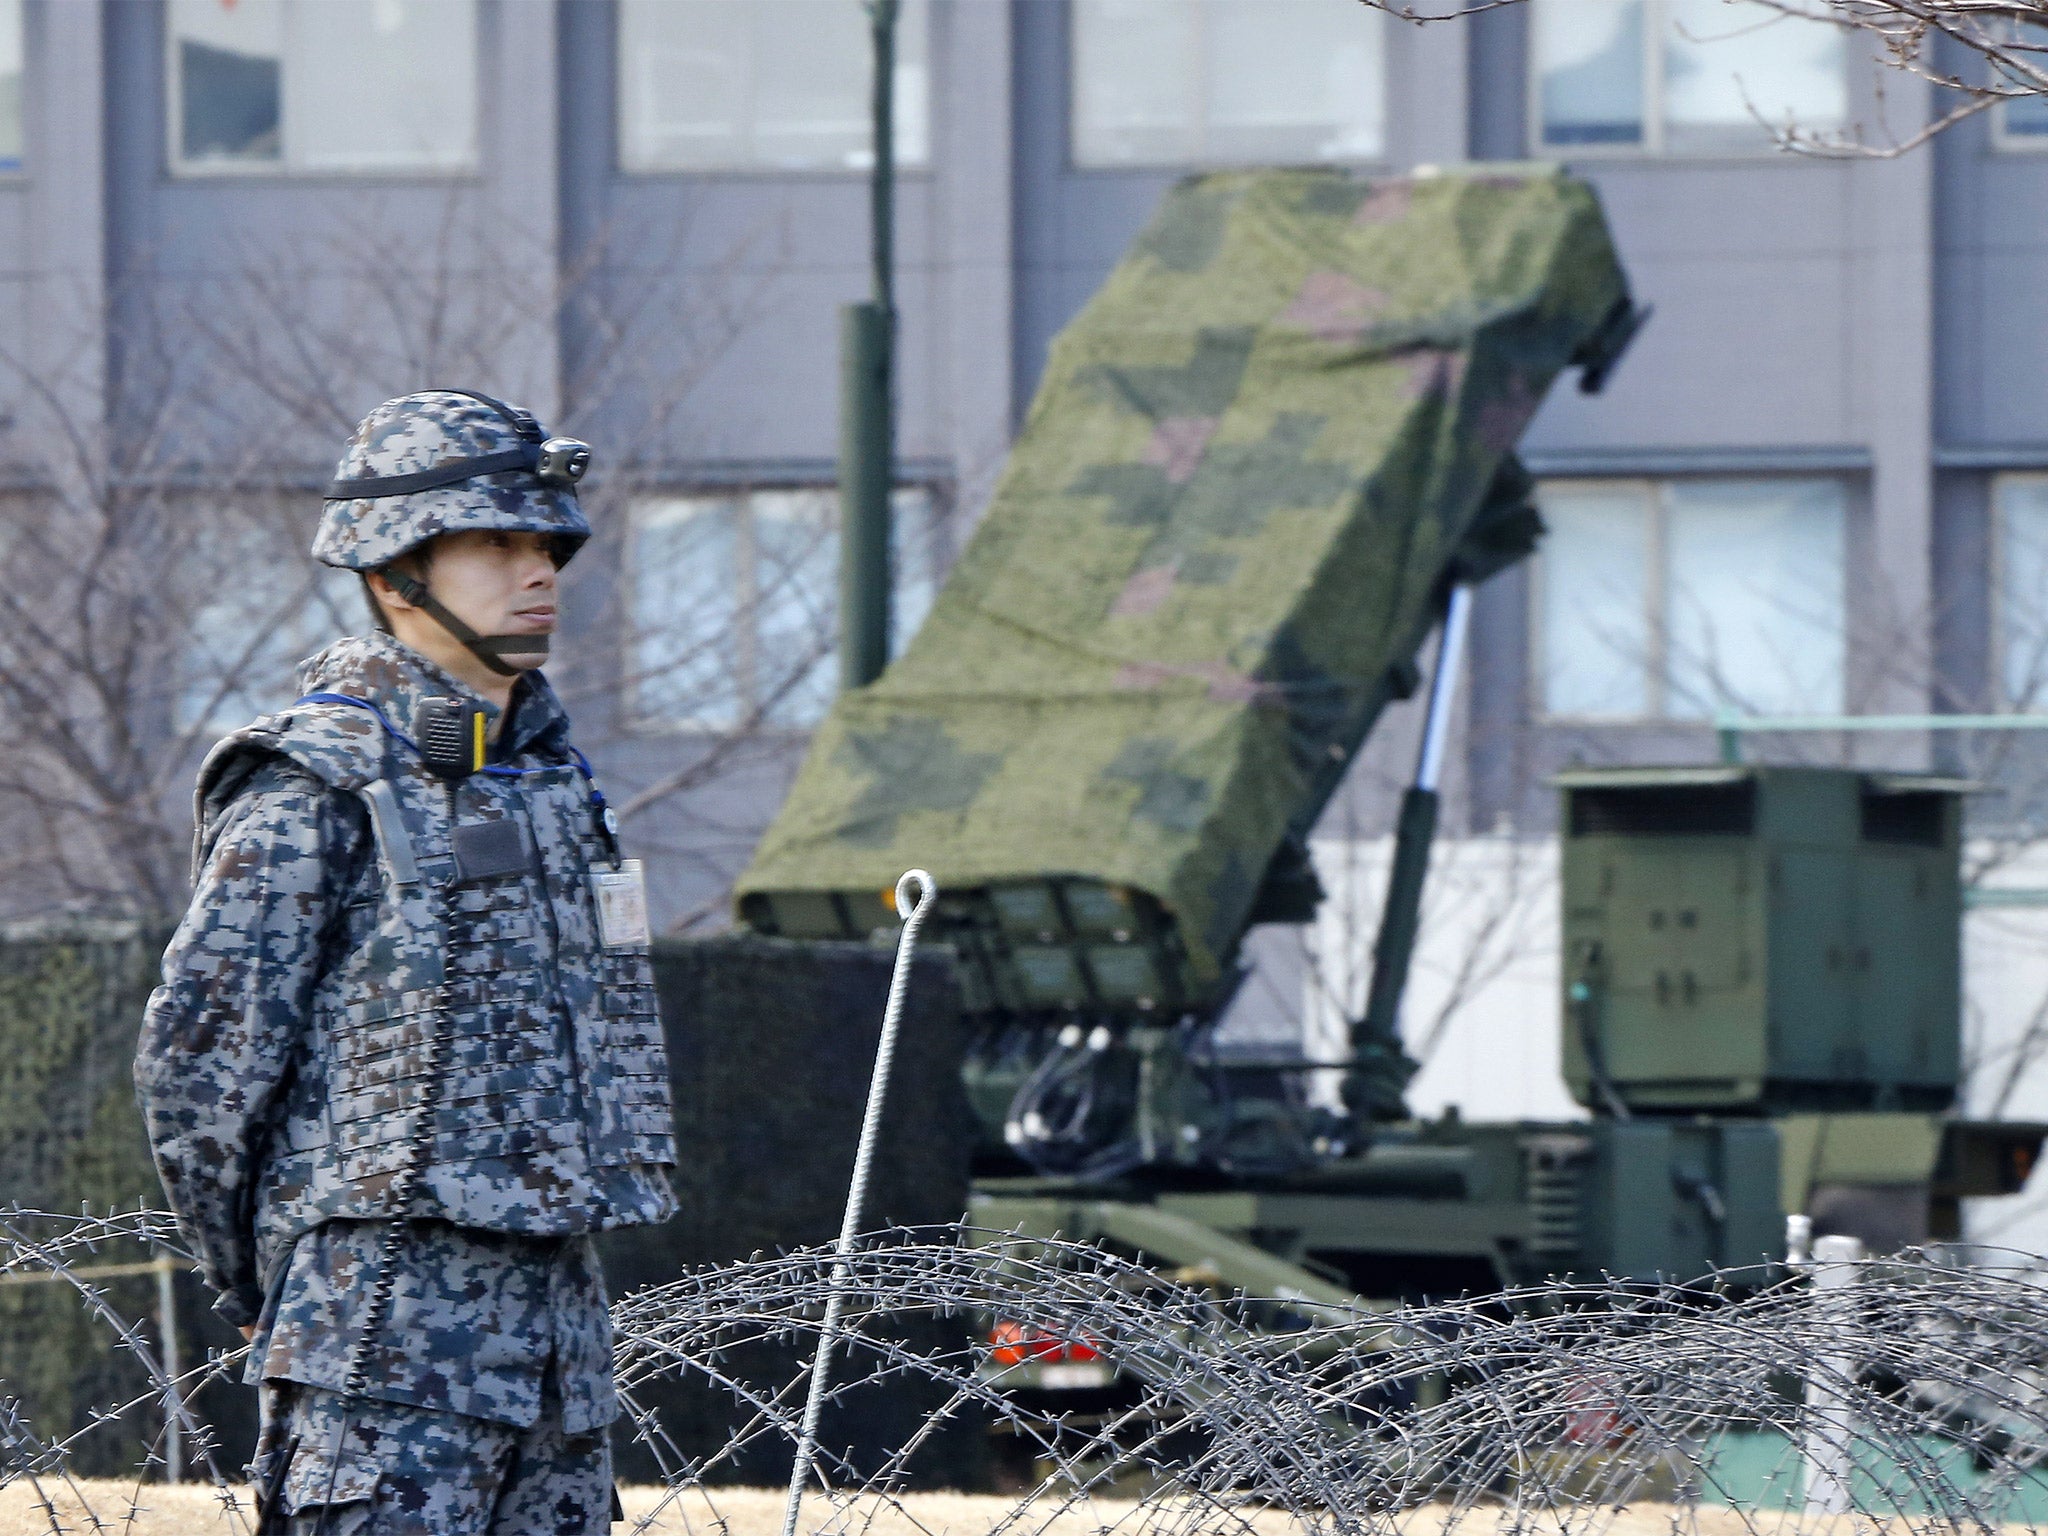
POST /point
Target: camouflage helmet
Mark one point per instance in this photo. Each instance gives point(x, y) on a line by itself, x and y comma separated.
point(442, 461)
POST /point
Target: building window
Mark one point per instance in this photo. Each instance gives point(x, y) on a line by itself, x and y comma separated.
point(736, 85)
point(323, 85)
point(1672, 599)
point(1681, 76)
point(2021, 122)
point(733, 606)
point(1225, 82)
point(246, 639)
point(10, 86)
point(2020, 509)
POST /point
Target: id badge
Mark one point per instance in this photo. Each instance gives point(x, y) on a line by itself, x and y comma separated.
point(621, 905)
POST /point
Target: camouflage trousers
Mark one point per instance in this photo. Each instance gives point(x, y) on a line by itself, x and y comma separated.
point(330, 1466)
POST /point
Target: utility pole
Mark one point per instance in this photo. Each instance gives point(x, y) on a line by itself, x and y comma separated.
point(867, 335)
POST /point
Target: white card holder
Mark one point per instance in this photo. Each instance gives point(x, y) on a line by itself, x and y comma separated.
point(621, 896)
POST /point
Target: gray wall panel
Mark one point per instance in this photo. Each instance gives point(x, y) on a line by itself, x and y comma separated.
point(971, 222)
point(19, 254)
point(2008, 288)
point(1961, 577)
point(1749, 352)
point(776, 259)
point(1766, 207)
point(1959, 315)
point(2014, 203)
point(1496, 93)
point(1427, 113)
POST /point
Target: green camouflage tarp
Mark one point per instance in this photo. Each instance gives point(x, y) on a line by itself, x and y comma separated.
point(1254, 462)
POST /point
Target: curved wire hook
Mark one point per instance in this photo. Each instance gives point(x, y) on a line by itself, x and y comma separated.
point(913, 914)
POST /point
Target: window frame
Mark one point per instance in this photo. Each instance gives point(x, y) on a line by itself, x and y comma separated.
point(640, 722)
point(2001, 624)
point(919, 170)
point(2005, 142)
point(1653, 144)
point(178, 168)
point(1658, 598)
point(1069, 47)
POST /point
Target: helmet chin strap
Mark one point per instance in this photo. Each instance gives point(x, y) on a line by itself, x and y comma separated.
point(488, 649)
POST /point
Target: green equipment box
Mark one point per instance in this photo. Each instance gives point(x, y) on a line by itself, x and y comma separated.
point(1763, 940)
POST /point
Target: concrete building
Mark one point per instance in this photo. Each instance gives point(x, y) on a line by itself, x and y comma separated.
point(1818, 483)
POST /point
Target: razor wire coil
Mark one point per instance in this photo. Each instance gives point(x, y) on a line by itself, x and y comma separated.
point(1213, 1412)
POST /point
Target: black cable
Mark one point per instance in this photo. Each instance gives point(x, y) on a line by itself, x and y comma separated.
point(1034, 1097)
point(1066, 1142)
point(1582, 998)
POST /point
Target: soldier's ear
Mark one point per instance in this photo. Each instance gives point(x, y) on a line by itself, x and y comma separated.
point(375, 604)
point(382, 593)
point(402, 583)
point(386, 596)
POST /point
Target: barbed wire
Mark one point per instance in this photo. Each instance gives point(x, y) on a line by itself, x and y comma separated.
point(1080, 1390)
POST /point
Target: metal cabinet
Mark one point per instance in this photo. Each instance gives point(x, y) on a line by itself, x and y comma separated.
point(1763, 939)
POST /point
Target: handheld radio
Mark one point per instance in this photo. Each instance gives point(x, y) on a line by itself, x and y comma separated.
point(453, 737)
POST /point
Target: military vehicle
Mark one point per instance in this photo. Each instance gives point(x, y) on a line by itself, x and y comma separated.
point(1267, 460)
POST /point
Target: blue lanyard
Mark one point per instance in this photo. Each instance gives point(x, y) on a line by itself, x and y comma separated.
point(602, 817)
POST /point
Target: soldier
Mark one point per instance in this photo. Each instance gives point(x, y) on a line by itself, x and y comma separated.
point(405, 1059)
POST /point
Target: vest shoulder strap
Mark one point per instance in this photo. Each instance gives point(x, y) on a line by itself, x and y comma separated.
point(344, 748)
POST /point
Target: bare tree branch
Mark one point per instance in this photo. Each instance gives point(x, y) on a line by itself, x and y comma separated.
point(155, 588)
point(2003, 45)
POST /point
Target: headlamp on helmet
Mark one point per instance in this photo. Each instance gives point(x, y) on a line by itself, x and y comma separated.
point(562, 461)
point(557, 462)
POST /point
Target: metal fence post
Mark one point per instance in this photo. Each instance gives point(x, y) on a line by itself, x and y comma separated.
point(174, 1407)
point(1830, 1428)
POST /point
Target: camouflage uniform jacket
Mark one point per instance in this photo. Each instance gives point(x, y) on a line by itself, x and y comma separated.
point(332, 937)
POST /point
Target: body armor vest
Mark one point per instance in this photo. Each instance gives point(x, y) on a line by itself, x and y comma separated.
point(471, 1004)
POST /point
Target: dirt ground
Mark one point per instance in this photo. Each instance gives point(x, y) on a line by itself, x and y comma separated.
point(198, 1511)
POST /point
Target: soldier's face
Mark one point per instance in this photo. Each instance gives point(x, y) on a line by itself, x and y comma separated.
point(498, 584)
